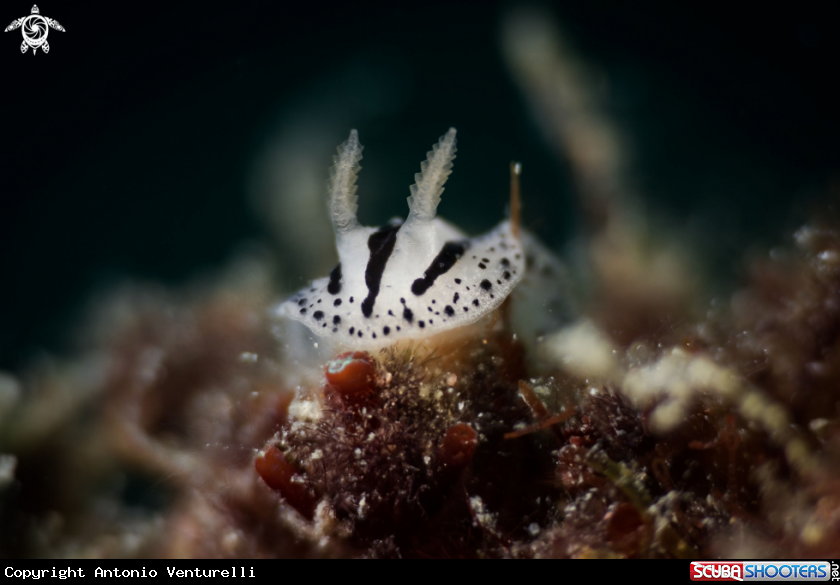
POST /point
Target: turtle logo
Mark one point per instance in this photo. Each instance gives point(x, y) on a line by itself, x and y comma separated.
point(35, 29)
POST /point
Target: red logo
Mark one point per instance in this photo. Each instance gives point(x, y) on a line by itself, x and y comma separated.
point(716, 571)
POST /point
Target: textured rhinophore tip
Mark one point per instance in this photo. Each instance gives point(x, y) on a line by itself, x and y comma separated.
point(426, 192)
point(343, 198)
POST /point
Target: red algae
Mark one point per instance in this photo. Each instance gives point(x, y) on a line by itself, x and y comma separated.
point(458, 446)
point(350, 376)
point(280, 475)
point(456, 451)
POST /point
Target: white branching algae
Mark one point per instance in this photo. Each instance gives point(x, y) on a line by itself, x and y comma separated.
point(409, 279)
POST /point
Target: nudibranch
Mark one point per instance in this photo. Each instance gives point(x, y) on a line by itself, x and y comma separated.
point(410, 279)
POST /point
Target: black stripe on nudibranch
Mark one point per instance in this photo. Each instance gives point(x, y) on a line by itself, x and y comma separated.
point(381, 245)
point(446, 259)
point(334, 287)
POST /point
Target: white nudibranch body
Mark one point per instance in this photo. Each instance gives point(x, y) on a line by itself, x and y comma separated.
point(405, 280)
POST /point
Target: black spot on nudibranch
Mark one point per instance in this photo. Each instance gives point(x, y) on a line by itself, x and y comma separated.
point(337, 303)
point(486, 284)
point(407, 314)
point(457, 281)
point(318, 315)
point(303, 311)
point(352, 330)
point(381, 245)
point(506, 275)
point(336, 320)
point(505, 262)
point(475, 302)
point(422, 324)
point(446, 259)
point(301, 302)
point(449, 310)
point(482, 265)
point(455, 298)
point(386, 330)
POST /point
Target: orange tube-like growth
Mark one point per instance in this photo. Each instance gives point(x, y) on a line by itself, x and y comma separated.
point(351, 375)
point(278, 474)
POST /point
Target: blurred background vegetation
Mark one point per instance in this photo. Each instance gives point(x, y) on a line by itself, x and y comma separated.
point(135, 148)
